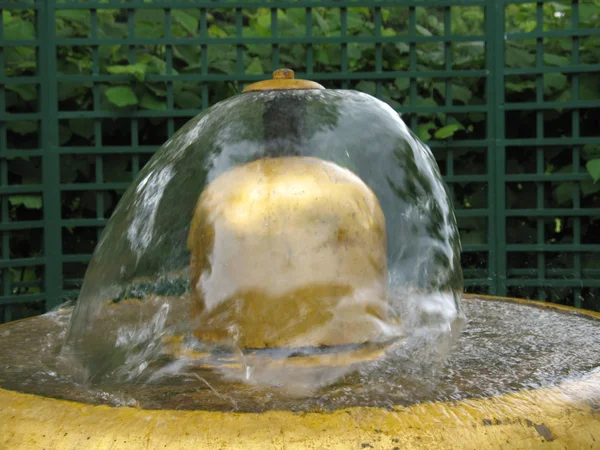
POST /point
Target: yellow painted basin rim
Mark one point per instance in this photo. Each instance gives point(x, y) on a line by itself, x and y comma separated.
point(563, 416)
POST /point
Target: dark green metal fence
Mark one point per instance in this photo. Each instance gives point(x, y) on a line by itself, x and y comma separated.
point(507, 94)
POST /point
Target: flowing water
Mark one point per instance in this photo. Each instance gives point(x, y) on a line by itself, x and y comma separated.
point(504, 347)
point(131, 339)
point(148, 235)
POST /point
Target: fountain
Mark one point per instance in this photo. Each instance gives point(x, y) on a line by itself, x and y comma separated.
point(285, 273)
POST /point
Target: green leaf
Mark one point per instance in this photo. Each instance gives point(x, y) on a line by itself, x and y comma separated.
point(468, 54)
point(153, 64)
point(215, 31)
point(110, 29)
point(593, 168)
point(589, 87)
point(590, 260)
point(516, 57)
point(469, 224)
point(137, 70)
point(30, 274)
point(461, 93)
point(19, 30)
point(402, 47)
point(283, 17)
point(554, 82)
point(154, 16)
point(28, 201)
point(149, 30)
point(26, 91)
point(519, 87)
point(82, 127)
point(390, 101)
point(385, 14)
point(186, 20)
point(564, 192)
point(149, 101)
point(223, 65)
point(355, 19)
point(447, 131)
point(259, 50)
point(423, 131)
point(68, 91)
point(110, 53)
point(71, 168)
point(6, 17)
point(563, 95)
point(423, 31)
point(558, 225)
point(431, 57)
point(591, 151)
point(473, 238)
point(73, 15)
point(528, 25)
point(556, 60)
point(121, 96)
point(116, 171)
point(255, 67)
point(64, 134)
point(157, 88)
point(193, 68)
point(388, 32)
point(368, 87)
point(477, 117)
point(321, 22)
point(588, 11)
point(588, 187)
point(22, 127)
point(402, 83)
point(425, 101)
point(190, 54)
point(264, 19)
point(188, 100)
point(354, 51)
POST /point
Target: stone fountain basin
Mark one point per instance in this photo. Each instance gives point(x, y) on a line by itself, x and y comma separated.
point(561, 415)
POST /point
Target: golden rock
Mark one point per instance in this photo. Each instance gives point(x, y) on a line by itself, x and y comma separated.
point(288, 252)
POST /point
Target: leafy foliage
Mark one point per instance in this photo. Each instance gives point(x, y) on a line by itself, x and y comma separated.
point(134, 86)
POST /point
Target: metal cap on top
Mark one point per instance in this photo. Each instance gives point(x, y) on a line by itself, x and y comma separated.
point(283, 79)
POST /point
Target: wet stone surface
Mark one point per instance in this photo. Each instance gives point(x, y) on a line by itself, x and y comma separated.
point(505, 347)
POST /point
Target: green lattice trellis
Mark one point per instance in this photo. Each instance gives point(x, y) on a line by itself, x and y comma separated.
point(472, 75)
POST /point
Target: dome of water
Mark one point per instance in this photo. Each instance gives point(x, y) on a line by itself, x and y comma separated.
point(294, 219)
point(292, 254)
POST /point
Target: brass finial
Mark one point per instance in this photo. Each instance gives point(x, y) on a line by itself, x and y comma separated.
point(283, 74)
point(283, 79)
